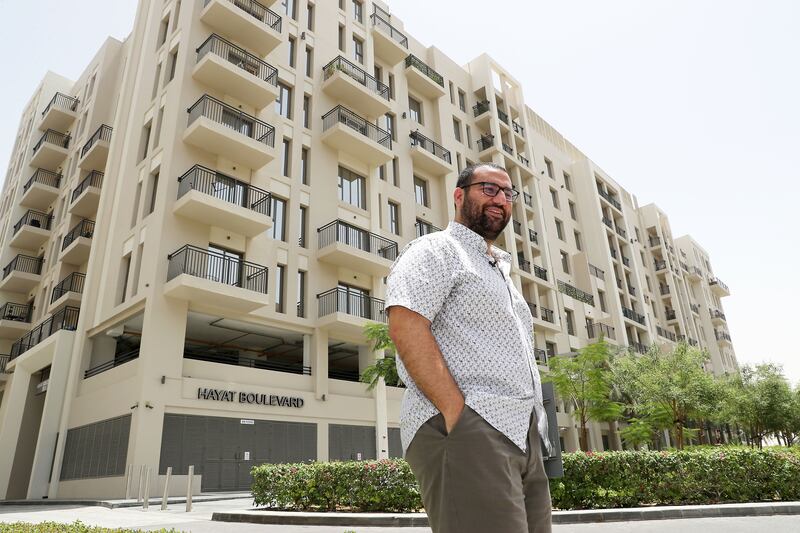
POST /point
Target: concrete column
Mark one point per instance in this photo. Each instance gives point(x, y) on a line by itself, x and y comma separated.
point(319, 363)
point(13, 408)
point(51, 420)
point(381, 421)
point(322, 441)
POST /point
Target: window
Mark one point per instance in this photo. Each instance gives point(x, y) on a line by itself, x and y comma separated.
point(452, 93)
point(565, 262)
point(301, 294)
point(358, 49)
point(462, 100)
point(559, 229)
point(390, 126)
point(286, 157)
point(283, 104)
point(352, 188)
point(177, 15)
point(378, 73)
point(301, 241)
point(341, 38)
point(290, 8)
point(292, 49)
point(153, 192)
point(145, 146)
point(163, 29)
point(173, 61)
point(549, 166)
point(158, 127)
point(578, 244)
point(156, 80)
point(306, 111)
point(278, 209)
point(469, 136)
point(567, 181)
point(602, 297)
point(304, 165)
point(135, 214)
point(309, 62)
point(358, 11)
point(390, 83)
point(415, 110)
point(421, 191)
point(554, 197)
point(551, 350)
point(394, 218)
point(137, 269)
point(382, 172)
point(570, 316)
point(310, 16)
point(125, 270)
point(280, 289)
point(572, 212)
point(457, 129)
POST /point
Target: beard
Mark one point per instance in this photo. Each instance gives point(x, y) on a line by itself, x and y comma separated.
point(478, 220)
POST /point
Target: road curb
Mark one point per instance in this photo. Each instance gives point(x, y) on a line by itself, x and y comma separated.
point(119, 504)
point(559, 517)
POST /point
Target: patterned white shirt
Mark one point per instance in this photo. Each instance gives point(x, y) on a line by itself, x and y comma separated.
point(483, 327)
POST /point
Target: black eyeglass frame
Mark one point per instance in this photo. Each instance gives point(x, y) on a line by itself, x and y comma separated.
point(509, 193)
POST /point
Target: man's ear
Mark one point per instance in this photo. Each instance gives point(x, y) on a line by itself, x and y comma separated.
point(458, 196)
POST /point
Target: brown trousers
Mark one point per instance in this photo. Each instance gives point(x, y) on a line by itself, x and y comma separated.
point(475, 480)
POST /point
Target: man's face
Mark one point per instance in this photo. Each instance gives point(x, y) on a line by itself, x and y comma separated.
point(482, 214)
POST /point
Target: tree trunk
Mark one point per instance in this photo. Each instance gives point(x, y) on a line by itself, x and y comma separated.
point(584, 436)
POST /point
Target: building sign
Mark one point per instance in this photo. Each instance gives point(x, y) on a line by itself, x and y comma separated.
point(248, 398)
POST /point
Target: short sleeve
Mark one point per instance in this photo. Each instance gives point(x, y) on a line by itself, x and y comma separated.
point(421, 278)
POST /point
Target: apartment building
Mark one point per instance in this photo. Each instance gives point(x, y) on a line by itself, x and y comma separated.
point(196, 231)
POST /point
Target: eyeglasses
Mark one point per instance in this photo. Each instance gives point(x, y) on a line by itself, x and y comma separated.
point(491, 189)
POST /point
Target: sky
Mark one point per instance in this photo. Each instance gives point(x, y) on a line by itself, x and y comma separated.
point(692, 105)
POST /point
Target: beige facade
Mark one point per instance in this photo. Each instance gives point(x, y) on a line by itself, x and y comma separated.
point(196, 231)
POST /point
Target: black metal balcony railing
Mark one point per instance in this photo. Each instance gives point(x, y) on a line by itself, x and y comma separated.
point(666, 334)
point(258, 11)
point(524, 160)
point(24, 263)
point(3, 362)
point(595, 329)
point(238, 360)
point(540, 355)
point(608, 222)
point(34, 219)
point(631, 290)
point(684, 266)
point(613, 253)
point(621, 232)
point(533, 236)
point(344, 375)
point(502, 115)
point(696, 271)
point(664, 289)
point(517, 227)
point(417, 63)
point(524, 264)
point(92, 179)
point(719, 283)
point(423, 228)
point(53, 137)
point(356, 73)
point(692, 342)
point(548, 315)
point(508, 149)
point(619, 282)
point(72, 283)
point(533, 310)
point(610, 199)
point(480, 108)
point(342, 300)
point(66, 319)
point(16, 312)
point(396, 35)
point(418, 139)
point(485, 142)
point(718, 314)
point(632, 315)
point(518, 128)
point(540, 272)
point(342, 115)
point(596, 272)
point(216, 267)
point(230, 190)
point(626, 261)
point(248, 125)
point(722, 335)
point(660, 264)
point(655, 241)
point(670, 314)
point(342, 232)
point(103, 133)
point(119, 360)
point(238, 56)
point(45, 177)
point(638, 347)
point(84, 228)
point(528, 199)
point(62, 101)
point(576, 293)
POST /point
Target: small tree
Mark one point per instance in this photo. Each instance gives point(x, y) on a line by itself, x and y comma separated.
point(585, 381)
point(761, 401)
point(385, 367)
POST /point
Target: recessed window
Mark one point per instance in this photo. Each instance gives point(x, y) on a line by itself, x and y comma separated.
point(572, 212)
point(310, 16)
point(292, 48)
point(559, 229)
point(421, 191)
point(301, 294)
point(462, 100)
point(415, 110)
point(306, 111)
point(278, 229)
point(358, 49)
point(301, 241)
point(309, 62)
point(554, 197)
point(457, 129)
point(352, 188)
point(286, 157)
point(280, 288)
point(578, 243)
point(570, 316)
point(390, 126)
point(358, 11)
point(548, 165)
point(304, 161)
point(283, 104)
point(567, 182)
point(565, 262)
point(290, 8)
point(394, 218)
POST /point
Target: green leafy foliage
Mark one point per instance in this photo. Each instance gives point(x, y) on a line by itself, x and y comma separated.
point(385, 367)
point(75, 527)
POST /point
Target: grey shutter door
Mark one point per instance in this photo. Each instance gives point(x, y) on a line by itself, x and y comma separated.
point(553, 464)
point(345, 442)
point(395, 445)
point(96, 450)
point(171, 444)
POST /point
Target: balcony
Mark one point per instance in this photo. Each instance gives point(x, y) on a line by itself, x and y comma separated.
point(717, 316)
point(253, 24)
point(211, 279)
point(626, 261)
point(518, 128)
point(345, 245)
point(348, 83)
point(595, 329)
point(423, 79)
point(390, 44)
point(77, 243)
point(348, 132)
point(60, 113)
point(630, 314)
point(41, 189)
point(503, 116)
point(596, 272)
point(638, 347)
point(507, 148)
point(654, 241)
point(15, 320)
point(718, 288)
point(32, 230)
point(671, 315)
point(540, 272)
point(695, 308)
point(608, 222)
point(423, 228)
point(345, 312)
point(548, 315)
point(722, 337)
point(540, 355)
point(68, 291)
point(118, 360)
point(86, 196)
point(225, 131)
point(211, 198)
point(666, 334)
point(22, 274)
point(695, 274)
point(94, 153)
point(533, 236)
point(528, 199)
point(575, 293)
point(233, 70)
point(621, 232)
point(517, 227)
point(429, 156)
point(524, 264)
point(486, 142)
point(632, 291)
point(610, 199)
point(480, 108)
point(660, 264)
point(663, 289)
point(242, 361)
point(51, 150)
point(64, 319)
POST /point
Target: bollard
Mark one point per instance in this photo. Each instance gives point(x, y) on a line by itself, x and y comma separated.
point(128, 479)
point(141, 476)
point(166, 489)
point(189, 489)
point(146, 502)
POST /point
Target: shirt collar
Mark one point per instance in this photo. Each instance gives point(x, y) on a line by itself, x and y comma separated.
point(472, 240)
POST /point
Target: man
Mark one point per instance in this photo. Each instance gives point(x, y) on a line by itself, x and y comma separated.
point(472, 415)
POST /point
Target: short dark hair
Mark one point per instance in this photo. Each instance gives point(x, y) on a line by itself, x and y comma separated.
point(465, 177)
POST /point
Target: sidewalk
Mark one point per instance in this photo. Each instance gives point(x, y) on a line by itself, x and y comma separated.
point(118, 504)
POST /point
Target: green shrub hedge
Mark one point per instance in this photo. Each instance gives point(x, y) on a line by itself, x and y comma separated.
point(591, 480)
point(54, 527)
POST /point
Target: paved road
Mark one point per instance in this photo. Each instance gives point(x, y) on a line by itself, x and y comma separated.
point(199, 521)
